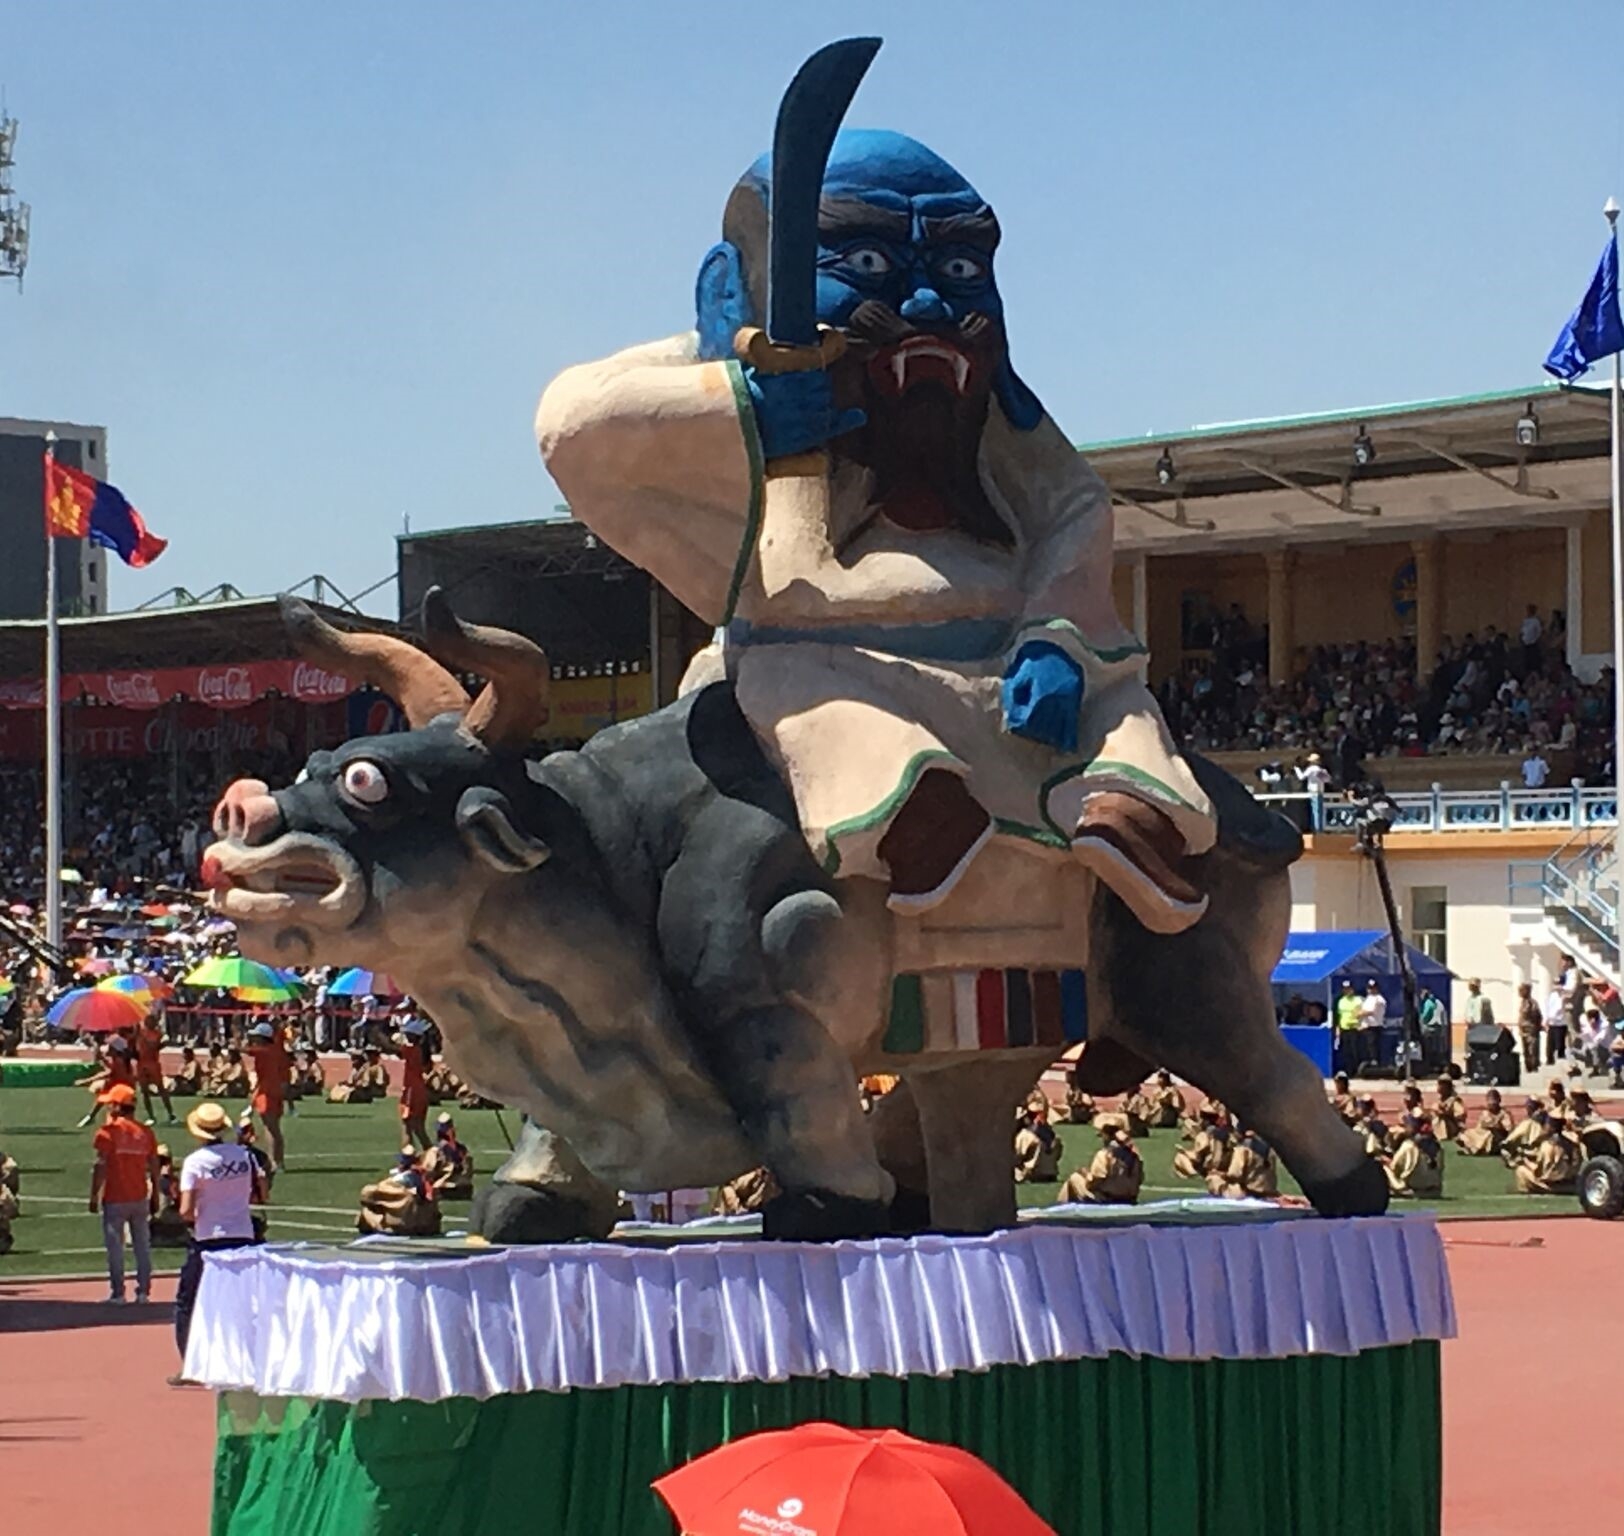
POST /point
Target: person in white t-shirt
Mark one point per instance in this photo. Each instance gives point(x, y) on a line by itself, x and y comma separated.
point(1535, 770)
point(1372, 1016)
point(219, 1185)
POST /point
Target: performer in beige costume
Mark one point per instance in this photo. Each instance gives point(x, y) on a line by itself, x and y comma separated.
point(872, 603)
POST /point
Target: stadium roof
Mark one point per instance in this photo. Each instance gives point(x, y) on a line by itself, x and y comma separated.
point(248, 629)
point(1437, 465)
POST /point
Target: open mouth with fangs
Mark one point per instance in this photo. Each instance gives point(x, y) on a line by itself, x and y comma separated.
point(295, 877)
point(894, 370)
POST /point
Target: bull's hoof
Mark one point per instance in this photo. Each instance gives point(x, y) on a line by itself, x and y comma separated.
point(1363, 1191)
point(516, 1213)
point(817, 1216)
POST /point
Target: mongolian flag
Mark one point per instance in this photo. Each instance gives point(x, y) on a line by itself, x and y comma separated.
point(79, 507)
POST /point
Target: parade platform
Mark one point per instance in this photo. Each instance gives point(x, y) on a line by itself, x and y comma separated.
point(1204, 1366)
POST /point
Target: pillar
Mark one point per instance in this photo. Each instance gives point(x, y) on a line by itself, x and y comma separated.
point(1141, 604)
point(1282, 618)
point(1575, 596)
point(1429, 603)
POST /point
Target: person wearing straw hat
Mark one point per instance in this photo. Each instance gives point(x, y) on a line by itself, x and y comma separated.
point(219, 1185)
point(124, 1189)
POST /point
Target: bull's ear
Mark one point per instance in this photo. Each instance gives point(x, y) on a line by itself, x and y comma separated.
point(485, 820)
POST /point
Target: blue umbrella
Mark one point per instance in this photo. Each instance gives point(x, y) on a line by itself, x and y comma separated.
point(356, 982)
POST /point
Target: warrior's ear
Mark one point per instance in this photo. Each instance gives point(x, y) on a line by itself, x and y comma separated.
point(721, 300)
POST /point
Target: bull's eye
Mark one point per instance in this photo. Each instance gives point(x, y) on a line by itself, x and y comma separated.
point(364, 782)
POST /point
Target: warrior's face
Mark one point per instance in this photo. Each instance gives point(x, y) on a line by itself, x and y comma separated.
point(905, 269)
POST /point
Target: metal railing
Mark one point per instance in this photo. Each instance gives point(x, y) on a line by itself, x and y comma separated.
point(1462, 810)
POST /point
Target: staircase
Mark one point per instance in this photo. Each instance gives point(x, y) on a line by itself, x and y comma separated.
point(1579, 895)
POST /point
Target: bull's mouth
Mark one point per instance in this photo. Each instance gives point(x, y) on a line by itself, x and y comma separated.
point(297, 878)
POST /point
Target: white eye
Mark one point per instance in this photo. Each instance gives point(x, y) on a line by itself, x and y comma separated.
point(304, 773)
point(870, 260)
point(364, 782)
point(962, 269)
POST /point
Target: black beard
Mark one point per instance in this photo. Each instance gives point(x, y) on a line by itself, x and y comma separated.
point(922, 439)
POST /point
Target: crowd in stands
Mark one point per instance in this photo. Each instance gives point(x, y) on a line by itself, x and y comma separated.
point(1488, 693)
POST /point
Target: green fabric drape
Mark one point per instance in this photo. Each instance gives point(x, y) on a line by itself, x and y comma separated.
point(1118, 1447)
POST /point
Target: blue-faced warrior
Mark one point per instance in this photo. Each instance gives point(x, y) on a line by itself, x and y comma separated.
point(909, 563)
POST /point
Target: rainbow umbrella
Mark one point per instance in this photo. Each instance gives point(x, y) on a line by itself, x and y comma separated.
point(137, 984)
point(356, 982)
point(246, 980)
point(91, 1011)
point(7, 987)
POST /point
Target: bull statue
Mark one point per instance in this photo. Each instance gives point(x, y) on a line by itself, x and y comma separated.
point(634, 944)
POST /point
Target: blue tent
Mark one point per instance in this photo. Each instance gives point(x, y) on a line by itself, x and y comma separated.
point(1314, 965)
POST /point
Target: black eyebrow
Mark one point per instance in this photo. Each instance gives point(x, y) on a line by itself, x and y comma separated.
point(847, 218)
point(979, 229)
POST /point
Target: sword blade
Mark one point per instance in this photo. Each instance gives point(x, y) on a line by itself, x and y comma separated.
point(809, 116)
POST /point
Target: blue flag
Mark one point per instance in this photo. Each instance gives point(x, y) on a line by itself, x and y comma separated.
point(1595, 329)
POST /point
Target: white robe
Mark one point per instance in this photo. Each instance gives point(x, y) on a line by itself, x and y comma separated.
point(860, 667)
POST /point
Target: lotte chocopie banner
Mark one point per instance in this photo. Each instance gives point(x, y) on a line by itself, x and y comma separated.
point(191, 729)
point(220, 687)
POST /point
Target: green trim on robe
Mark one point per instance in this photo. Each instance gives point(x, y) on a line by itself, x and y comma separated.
point(1108, 655)
point(758, 480)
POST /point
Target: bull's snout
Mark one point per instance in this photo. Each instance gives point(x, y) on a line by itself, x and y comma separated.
point(247, 813)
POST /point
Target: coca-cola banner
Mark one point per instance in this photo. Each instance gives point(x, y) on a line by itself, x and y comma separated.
point(220, 687)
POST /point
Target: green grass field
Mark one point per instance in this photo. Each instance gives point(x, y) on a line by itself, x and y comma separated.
point(334, 1149)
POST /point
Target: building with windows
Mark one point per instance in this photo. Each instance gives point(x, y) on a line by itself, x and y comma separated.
point(81, 567)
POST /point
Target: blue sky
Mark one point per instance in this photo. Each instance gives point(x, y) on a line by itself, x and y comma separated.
point(312, 264)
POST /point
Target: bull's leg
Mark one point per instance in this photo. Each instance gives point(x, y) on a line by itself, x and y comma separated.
point(1222, 1034)
point(796, 1097)
point(966, 1110)
point(542, 1194)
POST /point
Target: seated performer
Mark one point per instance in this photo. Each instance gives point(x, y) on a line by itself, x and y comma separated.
point(443, 1084)
point(448, 1163)
point(1489, 1134)
point(1252, 1172)
point(8, 1214)
point(1167, 1103)
point(402, 1203)
point(1371, 1127)
point(1416, 1168)
point(1137, 1110)
point(1342, 1099)
point(10, 1178)
point(368, 1079)
point(1116, 1172)
point(231, 1077)
point(1080, 1106)
point(1523, 1138)
point(1037, 1149)
point(1449, 1109)
point(167, 1227)
point(749, 1192)
point(1554, 1168)
point(187, 1082)
point(1581, 1112)
point(1209, 1148)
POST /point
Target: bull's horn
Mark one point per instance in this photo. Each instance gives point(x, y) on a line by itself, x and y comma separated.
point(514, 701)
point(412, 678)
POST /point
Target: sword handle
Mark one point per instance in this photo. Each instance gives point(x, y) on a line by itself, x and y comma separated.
point(757, 350)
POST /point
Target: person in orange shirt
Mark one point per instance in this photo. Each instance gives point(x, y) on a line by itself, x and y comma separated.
point(149, 1067)
point(273, 1067)
point(115, 1065)
point(124, 1189)
point(414, 1086)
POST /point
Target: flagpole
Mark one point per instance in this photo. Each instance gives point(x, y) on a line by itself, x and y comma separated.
point(53, 729)
point(1610, 212)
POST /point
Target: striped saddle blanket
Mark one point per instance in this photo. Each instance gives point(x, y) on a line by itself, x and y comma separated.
point(986, 1010)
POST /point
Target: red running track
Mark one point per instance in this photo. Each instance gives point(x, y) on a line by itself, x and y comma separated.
point(82, 1386)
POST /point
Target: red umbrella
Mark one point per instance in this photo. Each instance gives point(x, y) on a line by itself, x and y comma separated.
point(828, 1480)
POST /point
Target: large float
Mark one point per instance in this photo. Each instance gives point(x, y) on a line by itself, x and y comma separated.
point(915, 812)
